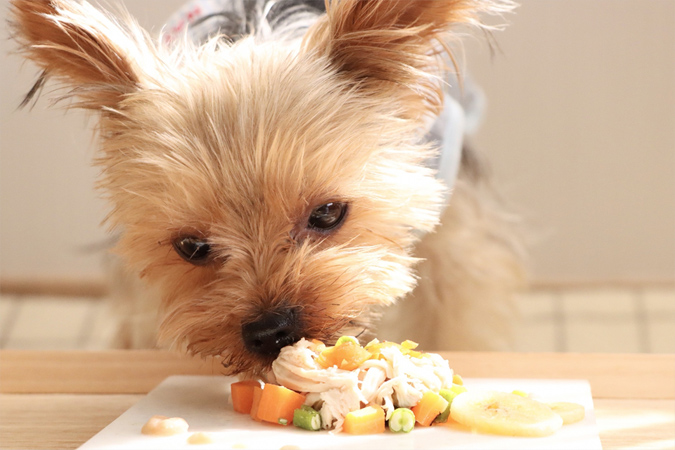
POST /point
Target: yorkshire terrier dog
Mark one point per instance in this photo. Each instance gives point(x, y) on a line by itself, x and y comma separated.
point(278, 182)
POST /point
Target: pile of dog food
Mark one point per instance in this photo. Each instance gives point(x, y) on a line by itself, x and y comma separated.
point(367, 389)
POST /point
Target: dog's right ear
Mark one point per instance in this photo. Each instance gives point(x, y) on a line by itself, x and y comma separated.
point(94, 55)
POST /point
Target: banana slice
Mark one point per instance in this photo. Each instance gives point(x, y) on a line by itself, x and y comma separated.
point(505, 414)
point(570, 412)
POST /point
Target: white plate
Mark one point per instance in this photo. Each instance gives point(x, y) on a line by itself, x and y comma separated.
point(203, 401)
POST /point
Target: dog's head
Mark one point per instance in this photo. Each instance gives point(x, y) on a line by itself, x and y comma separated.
point(271, 189)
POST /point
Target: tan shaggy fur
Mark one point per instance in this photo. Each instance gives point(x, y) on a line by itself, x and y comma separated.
point(237, 143)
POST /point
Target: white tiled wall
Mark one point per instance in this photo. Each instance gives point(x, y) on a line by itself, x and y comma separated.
point(568, 320)
point(599, 320)
point(54, 323)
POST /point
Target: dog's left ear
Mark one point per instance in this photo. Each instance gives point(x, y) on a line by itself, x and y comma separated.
point(94, 55)
point(392, 48)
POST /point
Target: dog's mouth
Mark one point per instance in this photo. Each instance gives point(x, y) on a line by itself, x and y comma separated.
point(250, 345)
point(264, 338)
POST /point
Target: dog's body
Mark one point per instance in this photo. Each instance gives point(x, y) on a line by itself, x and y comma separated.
point(277, 187)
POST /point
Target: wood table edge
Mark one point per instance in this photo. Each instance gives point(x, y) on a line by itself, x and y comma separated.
point(643, 376)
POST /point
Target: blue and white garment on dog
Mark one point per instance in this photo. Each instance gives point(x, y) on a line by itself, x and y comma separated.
point(200, 19)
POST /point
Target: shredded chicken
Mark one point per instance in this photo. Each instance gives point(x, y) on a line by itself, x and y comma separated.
point(395, 380)
point(371, 383)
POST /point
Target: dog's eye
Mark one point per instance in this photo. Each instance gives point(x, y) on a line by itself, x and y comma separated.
point(193, 249)
point(327, 217)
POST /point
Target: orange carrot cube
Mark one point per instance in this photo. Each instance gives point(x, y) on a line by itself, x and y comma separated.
point(431, 405)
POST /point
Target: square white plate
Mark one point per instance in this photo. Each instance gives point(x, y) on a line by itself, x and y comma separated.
point(203, 401)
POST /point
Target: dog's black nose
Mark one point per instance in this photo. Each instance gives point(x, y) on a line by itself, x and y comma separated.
point(273, 331)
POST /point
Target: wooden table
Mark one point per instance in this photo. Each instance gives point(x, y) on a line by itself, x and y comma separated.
point(61, 399)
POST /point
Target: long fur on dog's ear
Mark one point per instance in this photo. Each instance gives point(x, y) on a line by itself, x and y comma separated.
point(98, 57)
point(393, 47)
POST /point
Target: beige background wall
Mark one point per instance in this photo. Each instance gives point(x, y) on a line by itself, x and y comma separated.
point(580, 128)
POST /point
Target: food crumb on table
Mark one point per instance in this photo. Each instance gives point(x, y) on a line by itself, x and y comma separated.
point(164, 426)
point(199, 438)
